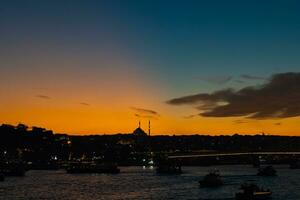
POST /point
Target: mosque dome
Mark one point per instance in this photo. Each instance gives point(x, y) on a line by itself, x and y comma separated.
point(139, 131)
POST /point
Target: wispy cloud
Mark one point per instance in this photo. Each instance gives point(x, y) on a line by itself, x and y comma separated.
point(239, 121)
point(43, 96)
point(239, 81)
point(145, 116)
point(251, 77)
point(189, 116)
point(218, 79)
point(145, 111)
point(40, 88)
point(278, 98)
point(85, 104)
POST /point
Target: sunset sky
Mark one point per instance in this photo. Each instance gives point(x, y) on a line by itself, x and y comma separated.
point(205, 67)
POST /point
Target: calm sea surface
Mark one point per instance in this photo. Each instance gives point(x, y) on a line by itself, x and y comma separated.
point(138, 183)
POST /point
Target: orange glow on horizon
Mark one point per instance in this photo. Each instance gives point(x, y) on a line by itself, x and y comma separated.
point(103, 120)
point(100, 103)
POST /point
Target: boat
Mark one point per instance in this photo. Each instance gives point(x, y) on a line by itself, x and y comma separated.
point(168, 167)
point(91, 167)
point(213, 179)
point(267, 171)
point(252, 192)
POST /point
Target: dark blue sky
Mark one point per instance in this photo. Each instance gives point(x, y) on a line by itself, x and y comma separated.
point(174, 40)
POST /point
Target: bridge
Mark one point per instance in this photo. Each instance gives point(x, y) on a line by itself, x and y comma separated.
point(233, 154)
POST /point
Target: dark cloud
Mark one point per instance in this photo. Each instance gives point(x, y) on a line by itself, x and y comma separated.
point(277, 124)
point(84, 104)
point(145, 111)
point(203, 99)
point(251, 77)
point(42, 96)
point(278, 98)
point(189, 116)
point(221, 79)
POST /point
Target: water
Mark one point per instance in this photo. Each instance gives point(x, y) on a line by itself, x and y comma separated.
point(136, 183)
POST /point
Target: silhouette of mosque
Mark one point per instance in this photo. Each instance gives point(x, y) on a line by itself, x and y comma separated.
point(140, 132)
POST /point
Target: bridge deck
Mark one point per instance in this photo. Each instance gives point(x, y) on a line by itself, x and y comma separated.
point(234, 154)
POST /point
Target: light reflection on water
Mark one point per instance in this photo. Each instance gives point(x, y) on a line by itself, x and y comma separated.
point(138, 183)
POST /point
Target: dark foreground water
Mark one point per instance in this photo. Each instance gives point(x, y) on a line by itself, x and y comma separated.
point(136, 183)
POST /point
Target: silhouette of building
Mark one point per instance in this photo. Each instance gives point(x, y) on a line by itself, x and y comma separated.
point(139, 131)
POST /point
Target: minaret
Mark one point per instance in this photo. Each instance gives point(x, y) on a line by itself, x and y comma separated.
point(139, 124)
point(149, 127)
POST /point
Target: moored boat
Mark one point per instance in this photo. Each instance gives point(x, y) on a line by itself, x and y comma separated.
point(252, 192)
point(213, 179)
